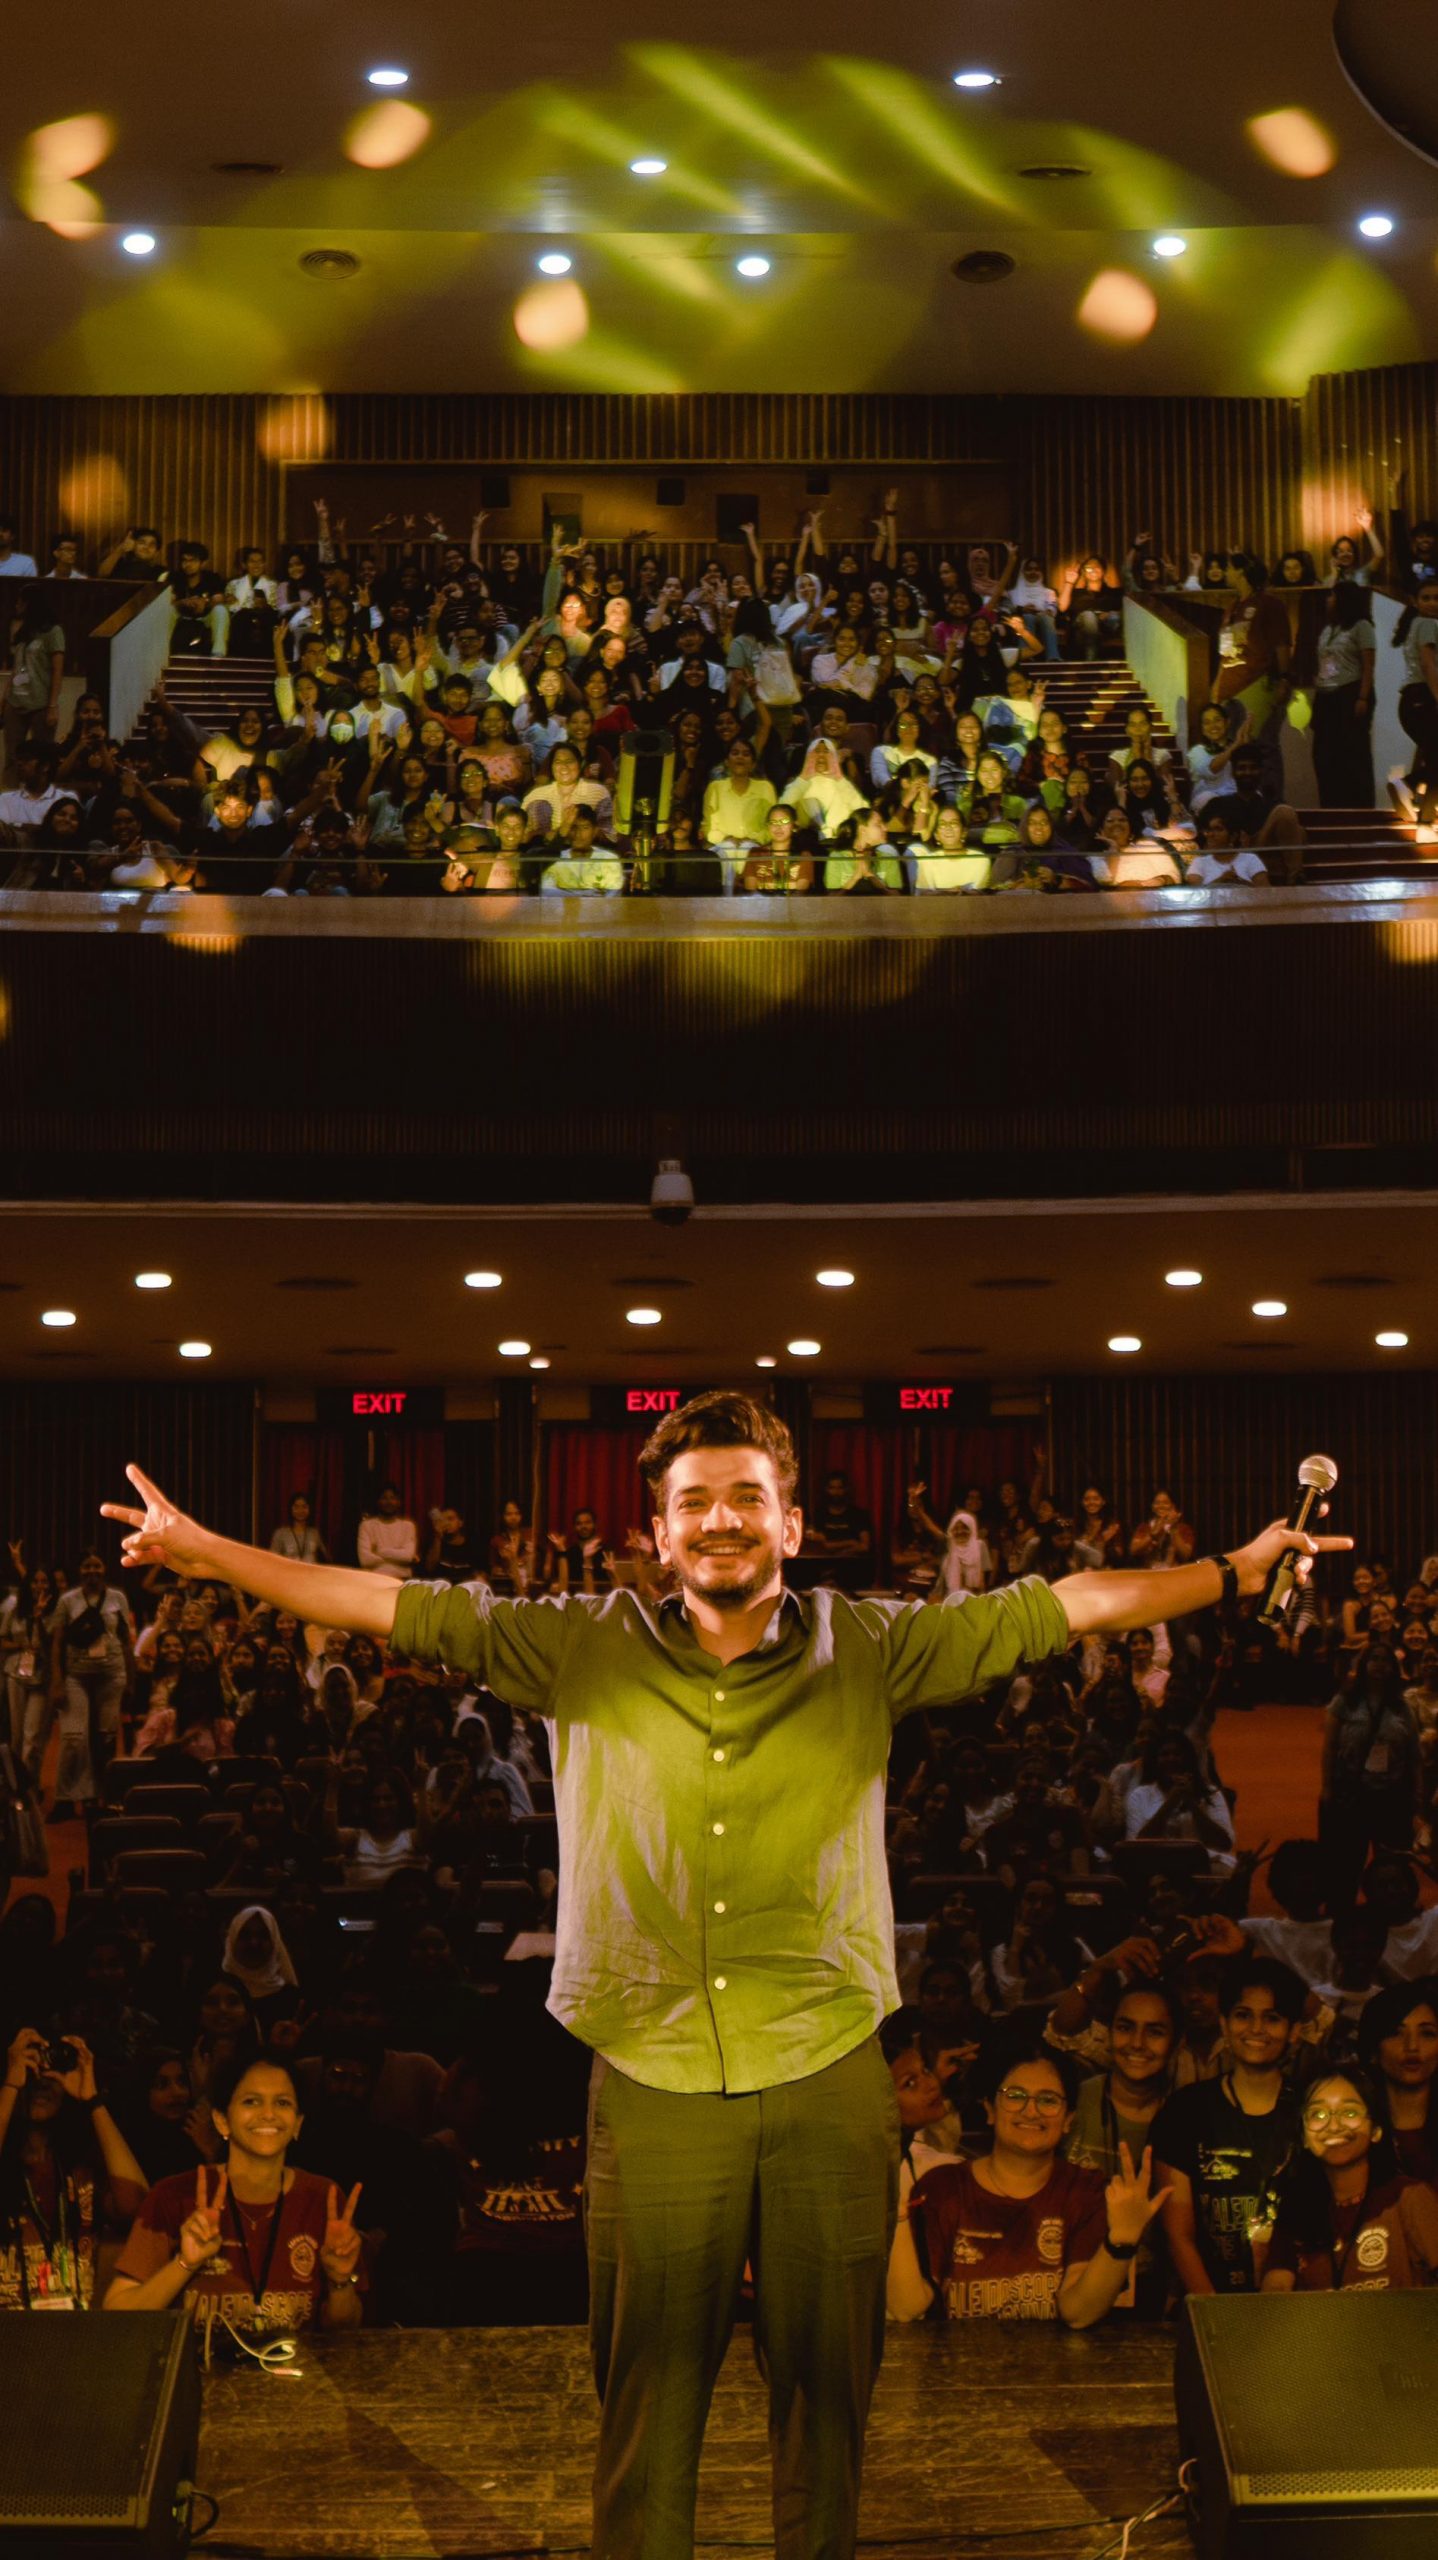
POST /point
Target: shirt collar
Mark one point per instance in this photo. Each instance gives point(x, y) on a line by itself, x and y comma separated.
point(791, 1608)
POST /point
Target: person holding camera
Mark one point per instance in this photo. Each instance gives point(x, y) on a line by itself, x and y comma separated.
point(65, 2167)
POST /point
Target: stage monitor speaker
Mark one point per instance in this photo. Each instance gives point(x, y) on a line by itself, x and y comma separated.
point(565, 508)
point(733, 509)
point(1310, 2424)
point(99, 2433)
point(494, 489)
point(644, 784)
point(670, 492)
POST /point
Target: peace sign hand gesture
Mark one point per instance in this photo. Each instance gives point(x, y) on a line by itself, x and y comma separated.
point(1130, 2206)
point(200, 2231)
point(159, 1534)
point(340, 2255)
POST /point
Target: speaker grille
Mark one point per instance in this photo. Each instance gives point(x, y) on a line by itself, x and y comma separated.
point(1334, 2403)
point(91, 2472)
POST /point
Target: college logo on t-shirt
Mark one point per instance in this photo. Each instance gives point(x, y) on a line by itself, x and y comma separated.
point(1050, 2241)
point(1372, 2249)
point(1216, 2165)
point(967, 2252)
point(302, 2256)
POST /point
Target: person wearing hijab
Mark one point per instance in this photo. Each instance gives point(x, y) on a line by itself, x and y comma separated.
point(821, 792)
point(967, 1564)
point(257, 1958)
point(473, 1730)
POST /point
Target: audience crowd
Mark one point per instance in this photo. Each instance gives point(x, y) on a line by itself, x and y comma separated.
point(290, 2060)
point(831, 718)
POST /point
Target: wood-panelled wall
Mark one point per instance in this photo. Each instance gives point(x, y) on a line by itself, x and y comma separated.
point(1228, 1450)
point(1083, 473)
point(1360, 428)
point(64, 1449)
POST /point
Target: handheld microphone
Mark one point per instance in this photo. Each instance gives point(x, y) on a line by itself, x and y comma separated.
point(1316, 1479)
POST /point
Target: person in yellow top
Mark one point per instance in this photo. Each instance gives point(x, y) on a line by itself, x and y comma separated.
point(736, 809)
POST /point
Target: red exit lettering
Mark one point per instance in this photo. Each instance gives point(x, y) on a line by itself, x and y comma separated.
point(651, 1399)
point(379, 1400)
point(925, 1399)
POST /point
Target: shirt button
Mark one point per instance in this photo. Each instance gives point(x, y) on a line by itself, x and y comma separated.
point(718, 1830)
point(721, 1982)
point(718, 1755)
point(719, 1906)
point(718, 1697)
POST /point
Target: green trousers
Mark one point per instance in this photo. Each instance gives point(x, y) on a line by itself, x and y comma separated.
point(802, 2180)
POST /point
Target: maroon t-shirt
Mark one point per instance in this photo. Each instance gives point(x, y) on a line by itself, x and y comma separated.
point(1004, 2257)
point(293, 2280)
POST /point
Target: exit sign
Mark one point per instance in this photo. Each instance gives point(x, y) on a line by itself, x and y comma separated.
point(964, 1401)
point(419, 1407)
point(636, 1404)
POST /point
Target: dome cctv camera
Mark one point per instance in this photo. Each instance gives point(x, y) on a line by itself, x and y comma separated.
point(671, 1193)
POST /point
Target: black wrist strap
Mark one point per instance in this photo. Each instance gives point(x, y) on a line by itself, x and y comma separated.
point(1123, 2250)
point(1228, 1576)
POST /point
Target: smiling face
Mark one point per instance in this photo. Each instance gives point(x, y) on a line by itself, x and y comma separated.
point(263, 2116)
point(918, 2089)
point(725, 1528)
point(1408, 2059)
point(1337, 2127)
point(1142, 2037)
point(1029, 2112)
point(1256, 2028)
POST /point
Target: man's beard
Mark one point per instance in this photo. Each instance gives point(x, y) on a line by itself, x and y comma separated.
point(738, 1594)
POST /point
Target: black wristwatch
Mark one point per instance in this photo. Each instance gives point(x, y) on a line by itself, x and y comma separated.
point(1228, 1576)
point(1123, 2250)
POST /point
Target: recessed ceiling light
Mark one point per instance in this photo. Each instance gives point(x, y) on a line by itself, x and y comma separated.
point(1376, 226)
point(648, 168)
point(138, 244)
point(555, 262)
point(1391, 1341)
point(1184, 1279)
point(1270, 1306)
point(539, 1361)
point(484, 1280)
point(152, 1280)
point(835, 1279)
point(1124, 1342)
point(514, 1350)
point(194, 1351)
point(804, 1348)
point(58, 1317)
point(388, 75)
point(753, 266)
point(766, 1360)
point(1169, 244)
point(976, 79)
point(642, 1315)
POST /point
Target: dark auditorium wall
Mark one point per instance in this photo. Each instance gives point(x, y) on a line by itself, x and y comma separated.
point(1228, 1449)
point(1079, 472)
point(64, 1448)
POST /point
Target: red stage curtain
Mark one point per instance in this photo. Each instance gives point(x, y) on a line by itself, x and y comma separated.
point(875, 1458)
point(413, 1460)
point(303, 1457)
point(597, 1464)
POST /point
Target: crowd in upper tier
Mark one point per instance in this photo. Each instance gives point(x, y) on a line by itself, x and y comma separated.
point(322, 1886)
point(836, 719)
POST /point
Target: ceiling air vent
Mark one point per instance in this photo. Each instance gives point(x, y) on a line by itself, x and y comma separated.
point(1050, 169)
point(1354, 1280)
point(1013, 1280)
point(984, 266)
point(316, 1284)
point(247, 168)
point(334, 263)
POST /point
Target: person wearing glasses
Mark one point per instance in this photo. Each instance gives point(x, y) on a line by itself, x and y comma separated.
point(1021, 2233)
point(1347, 2219)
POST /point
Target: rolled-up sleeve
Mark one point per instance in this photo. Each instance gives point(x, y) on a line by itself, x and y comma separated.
point(514, 1647)
point(936, 1656)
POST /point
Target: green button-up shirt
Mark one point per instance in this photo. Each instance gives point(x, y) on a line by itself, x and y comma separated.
point(724, 1914)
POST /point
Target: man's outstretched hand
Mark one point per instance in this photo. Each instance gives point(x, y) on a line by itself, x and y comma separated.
point(1254, 1563)
point(159, 1534)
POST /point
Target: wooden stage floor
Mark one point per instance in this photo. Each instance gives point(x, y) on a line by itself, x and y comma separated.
point(1007, 2440)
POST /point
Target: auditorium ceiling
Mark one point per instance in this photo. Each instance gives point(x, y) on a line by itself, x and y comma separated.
point(832, 143)
point(951, 1292)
